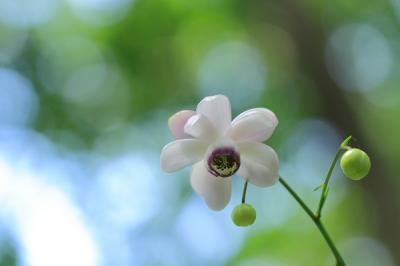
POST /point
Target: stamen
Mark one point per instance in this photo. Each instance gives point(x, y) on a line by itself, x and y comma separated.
point(223, 161)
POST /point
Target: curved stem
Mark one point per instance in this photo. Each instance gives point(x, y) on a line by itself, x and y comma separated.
point(325, 184)
point(324, 193)
point(317, 222)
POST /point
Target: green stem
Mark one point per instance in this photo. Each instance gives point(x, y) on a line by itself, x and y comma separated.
point(326, 183)
point(324, 193)
point(317, 222)
point(244, 192)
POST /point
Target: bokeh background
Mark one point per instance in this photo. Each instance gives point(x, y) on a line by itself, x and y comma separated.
point(87, 86)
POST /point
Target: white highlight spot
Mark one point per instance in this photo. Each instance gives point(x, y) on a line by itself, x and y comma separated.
point(50, 229)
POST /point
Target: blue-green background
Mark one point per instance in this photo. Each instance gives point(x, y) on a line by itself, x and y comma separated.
point(87, 86)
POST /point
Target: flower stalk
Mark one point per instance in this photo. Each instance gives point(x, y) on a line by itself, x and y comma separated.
point(244, 191)
point(316, 218)
point(244, 214)
point(324, 193)
point(317, 221)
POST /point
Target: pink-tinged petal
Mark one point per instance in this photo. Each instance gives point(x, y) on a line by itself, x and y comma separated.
point(216, 191)
point(198, 126)
point(259, 164)
point(181, 153)
point(256, 124)
point(218, 110)
point(177, 122)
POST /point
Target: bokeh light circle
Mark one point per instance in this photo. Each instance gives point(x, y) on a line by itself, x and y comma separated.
point(235, 69)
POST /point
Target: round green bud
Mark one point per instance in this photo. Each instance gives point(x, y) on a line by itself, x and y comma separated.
point(243, 215)
point(355, 164)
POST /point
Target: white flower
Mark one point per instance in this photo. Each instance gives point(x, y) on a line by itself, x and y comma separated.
point(219, 148)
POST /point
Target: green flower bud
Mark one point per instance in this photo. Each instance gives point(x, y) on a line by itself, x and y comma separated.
point(355, 164)
point(243, 215)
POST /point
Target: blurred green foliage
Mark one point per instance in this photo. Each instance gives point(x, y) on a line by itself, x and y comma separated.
point(123, 78)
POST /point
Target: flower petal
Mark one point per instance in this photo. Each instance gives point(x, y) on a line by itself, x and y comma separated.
point(177, 122)
point(216, 191)
point(218, 110)
point(259, 164)
point(256, 124)
point(180, 153)
point(200, 127)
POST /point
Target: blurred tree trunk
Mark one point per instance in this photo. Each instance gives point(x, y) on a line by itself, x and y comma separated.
point(310, 40)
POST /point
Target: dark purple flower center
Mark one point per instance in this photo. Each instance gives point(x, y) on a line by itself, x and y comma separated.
point(223, 161)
